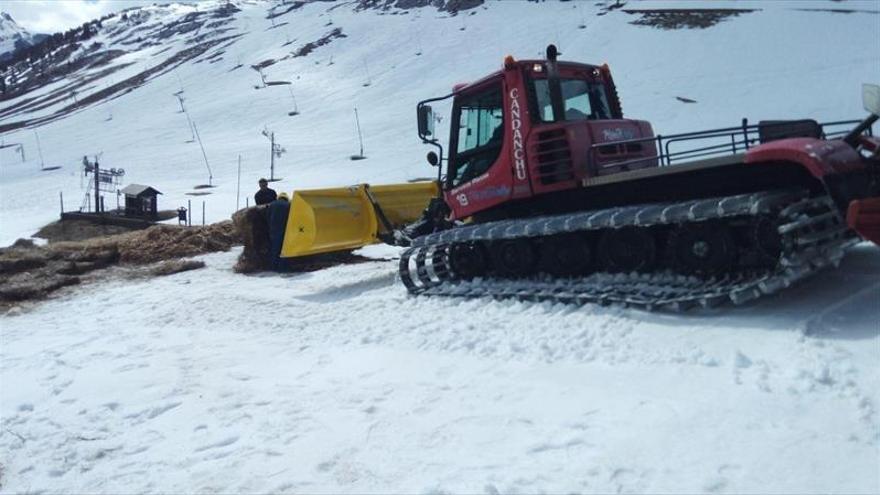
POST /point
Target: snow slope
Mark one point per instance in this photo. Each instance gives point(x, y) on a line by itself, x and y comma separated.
point(746, 66)
point(336, 381)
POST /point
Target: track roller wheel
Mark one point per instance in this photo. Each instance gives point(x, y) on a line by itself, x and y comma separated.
point(468, 260)
point(629, 249)
point(767, 240)
point(513, 257)
point(702, 249)
point(566, 255)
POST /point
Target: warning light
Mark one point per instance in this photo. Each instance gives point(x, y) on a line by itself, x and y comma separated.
point(537, 68)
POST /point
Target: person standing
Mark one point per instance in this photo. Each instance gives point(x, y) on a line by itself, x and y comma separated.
point(265, 195)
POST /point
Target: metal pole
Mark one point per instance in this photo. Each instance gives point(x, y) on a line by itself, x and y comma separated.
point(39, 150)
point(360, 136)
point(203, 213)
point(204, 155)
point(238, 184)
point(272, 156)
point(189, 208)
point(97, 186)
point(61, 199)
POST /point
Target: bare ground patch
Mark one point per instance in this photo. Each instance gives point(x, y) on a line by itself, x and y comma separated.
point(669, 19)
point(324, 40)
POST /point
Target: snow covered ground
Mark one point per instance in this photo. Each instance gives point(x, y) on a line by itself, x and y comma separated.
point(337, 381)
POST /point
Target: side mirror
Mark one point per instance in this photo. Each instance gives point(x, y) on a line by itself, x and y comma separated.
point(433, 159)
point(426, 121)
point(871, 98)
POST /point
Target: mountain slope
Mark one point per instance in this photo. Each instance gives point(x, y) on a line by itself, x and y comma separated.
point(13, 37)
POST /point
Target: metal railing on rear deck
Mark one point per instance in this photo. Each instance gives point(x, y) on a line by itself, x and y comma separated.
point(721, 142)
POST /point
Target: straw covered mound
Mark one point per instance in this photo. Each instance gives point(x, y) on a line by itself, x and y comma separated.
point(28, 271)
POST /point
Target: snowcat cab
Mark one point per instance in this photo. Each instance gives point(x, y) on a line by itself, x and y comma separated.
point(530, 129)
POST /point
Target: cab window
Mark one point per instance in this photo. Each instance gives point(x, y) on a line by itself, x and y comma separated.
point(479, 135)
point(583, 100)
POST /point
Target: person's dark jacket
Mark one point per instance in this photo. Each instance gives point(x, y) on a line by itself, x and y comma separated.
point(265, 196)
point(277, 220)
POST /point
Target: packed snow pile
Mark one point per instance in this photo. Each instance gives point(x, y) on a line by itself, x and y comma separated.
point(334, 380)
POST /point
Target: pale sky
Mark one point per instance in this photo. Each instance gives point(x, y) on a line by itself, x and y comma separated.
point(52, 16)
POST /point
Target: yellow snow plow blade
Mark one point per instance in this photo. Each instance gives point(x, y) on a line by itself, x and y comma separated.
point(339, 219)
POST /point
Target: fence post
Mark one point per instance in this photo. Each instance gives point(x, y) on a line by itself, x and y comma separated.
point(660, 148)
point(745, 124)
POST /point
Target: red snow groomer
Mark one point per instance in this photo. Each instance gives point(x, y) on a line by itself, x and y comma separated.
point(549, 193)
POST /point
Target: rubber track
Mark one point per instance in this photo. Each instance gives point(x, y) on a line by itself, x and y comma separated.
point(818, 240)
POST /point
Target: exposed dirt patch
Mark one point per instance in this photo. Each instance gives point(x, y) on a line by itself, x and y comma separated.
point(279, 10)
point(324, 40)
point(683, 18)
point(842, 11)
point(451, 6)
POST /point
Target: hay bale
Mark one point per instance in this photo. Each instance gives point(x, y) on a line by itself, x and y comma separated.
point(31, 285)
point(79, 230)
point(23, 244)
point(32, 272)
point(164, 242)
point(78, 268)
point(253, 229)
point(176, 266)
point(15, 262)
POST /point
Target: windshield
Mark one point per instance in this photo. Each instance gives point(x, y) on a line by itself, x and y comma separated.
point(583, 100)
